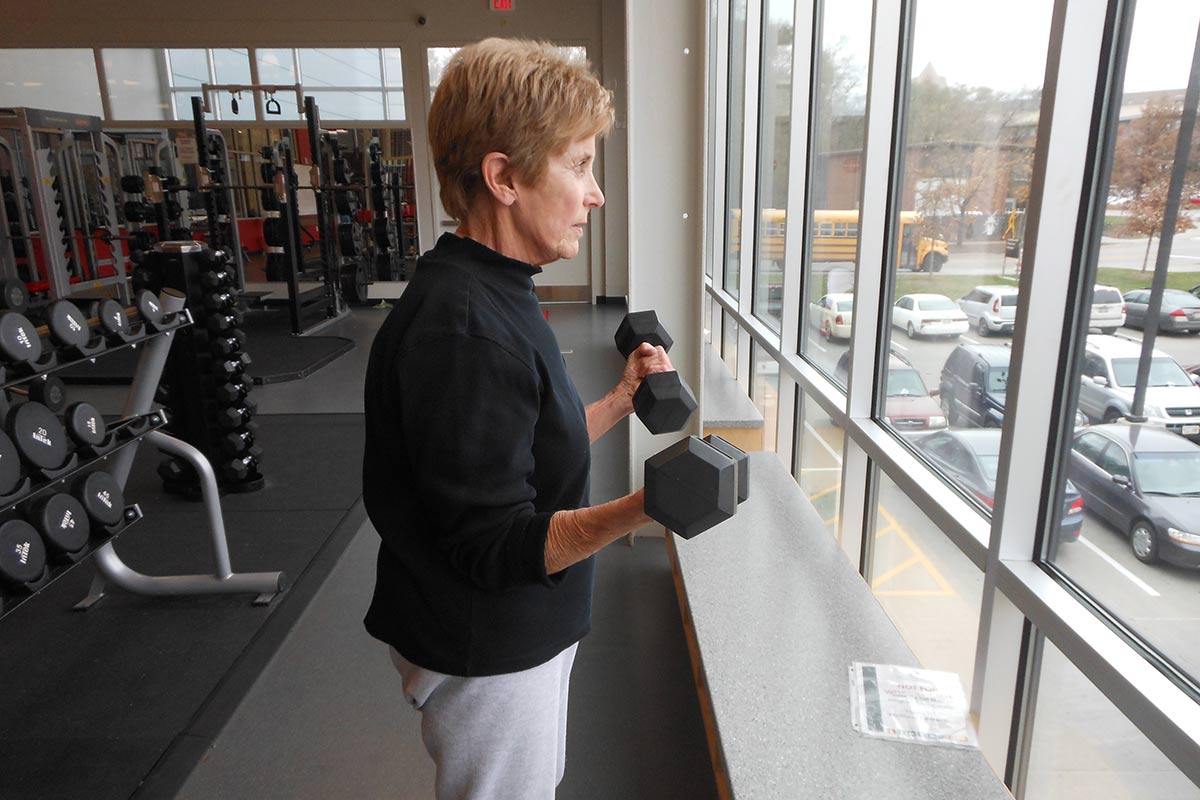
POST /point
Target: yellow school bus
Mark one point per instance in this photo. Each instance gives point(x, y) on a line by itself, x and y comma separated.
point(834, 237)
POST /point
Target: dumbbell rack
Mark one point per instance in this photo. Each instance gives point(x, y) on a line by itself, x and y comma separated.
point(139, 422)
point(192, 379)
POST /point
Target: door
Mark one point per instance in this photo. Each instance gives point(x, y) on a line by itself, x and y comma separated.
point(575, 271)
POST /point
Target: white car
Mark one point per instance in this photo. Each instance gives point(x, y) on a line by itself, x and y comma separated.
point(991, 309)
point(1108, 309)
point(1109, 375)
point(831, 315)
point(929, 315)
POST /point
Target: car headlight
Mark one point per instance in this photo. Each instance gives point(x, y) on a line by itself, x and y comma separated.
point(1183, 536)
point(937, 422)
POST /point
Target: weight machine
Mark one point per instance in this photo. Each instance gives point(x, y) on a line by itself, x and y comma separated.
point(58, 221)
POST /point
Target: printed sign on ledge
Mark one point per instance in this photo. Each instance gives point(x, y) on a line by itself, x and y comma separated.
point(907, 704)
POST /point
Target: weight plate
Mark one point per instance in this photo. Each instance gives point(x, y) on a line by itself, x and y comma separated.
point(38, 435)
point(85, 425)
point(22, 554)
point(68, 324)
point(50, 391)
point(149, 307)
point(18, 337)
point(15, 295)
point(10, 465)
point(112, 317)
point(102, 498)
point(63, 521)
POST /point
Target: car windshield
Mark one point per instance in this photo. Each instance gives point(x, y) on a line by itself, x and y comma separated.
point(937, 304)
point(998, 380)
point(845, 305)
point(1163, 372)
point(1175, 474)
point(905, 383)
point(1107, 296)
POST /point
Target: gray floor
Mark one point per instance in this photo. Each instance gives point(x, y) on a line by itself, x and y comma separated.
point(326, 718)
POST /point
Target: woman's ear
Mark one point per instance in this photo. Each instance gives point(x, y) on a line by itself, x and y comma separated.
point(498, 178)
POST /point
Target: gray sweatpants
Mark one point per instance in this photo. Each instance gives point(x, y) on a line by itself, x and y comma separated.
point(500, 737)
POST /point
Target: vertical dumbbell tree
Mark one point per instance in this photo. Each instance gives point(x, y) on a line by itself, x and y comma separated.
point(204, 384)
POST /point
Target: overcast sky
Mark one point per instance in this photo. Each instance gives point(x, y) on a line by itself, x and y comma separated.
point(1003, 44)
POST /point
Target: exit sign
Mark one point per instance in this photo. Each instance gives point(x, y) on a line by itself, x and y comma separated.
point(502, 5)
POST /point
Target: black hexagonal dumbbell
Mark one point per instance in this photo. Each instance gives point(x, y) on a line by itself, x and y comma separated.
point(232, 392)
point(227, 369)
point(663, 402)
point(694, 484)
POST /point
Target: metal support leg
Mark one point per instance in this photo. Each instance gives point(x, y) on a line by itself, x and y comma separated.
point(110, 566)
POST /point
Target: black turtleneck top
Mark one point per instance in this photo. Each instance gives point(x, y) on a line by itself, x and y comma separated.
point(475, 437)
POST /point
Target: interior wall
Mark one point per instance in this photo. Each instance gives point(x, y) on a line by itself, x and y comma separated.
point(666, 69)
point(363, 23)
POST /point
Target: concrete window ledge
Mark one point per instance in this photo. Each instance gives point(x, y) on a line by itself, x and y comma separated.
point(775, 614)
point(728, 410)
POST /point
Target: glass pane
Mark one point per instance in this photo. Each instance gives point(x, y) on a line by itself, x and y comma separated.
point(183, 104)
point(59, 80)
point(971, 131)
point(733, 148)
point(188, 67)
point(232, 65)
point(395, 105)
point(835, 183)
point(764, 392)
point(341, 67)
point(774, 130)
point(709, 302)
point(349, 105)
point(818, 463)
point(1138, 484)
point(928, 587)
point(729, 344)
point(135, 89)
point(275, 66)
point(393, 73)
point(1084, 748)
point(439, 59)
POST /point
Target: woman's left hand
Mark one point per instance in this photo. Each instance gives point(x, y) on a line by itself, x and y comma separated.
point(645, 359)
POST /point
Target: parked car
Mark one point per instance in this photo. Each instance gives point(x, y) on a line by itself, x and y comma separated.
point(968, 458)
point(990, 309)
point(1145, 482)
point(1108, 309)
point(831, 315)
point(909, 405)
point(1180, 310)
point(1109, 375)
point(974, 383)
point(929, 315)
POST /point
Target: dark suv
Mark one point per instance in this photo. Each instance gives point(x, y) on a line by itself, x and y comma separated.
point(974, 383)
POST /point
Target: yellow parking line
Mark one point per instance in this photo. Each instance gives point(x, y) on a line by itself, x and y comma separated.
point(946, 588)
point(894, 571)
point(909, 593)
point(879, 534)
point(824, 492)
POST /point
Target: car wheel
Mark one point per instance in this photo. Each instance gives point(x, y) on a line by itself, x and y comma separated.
point(933, 262)
point(1112, 415)
point(1144, 542)
point(911, 331)
point(1108, 331)
point(983, 328)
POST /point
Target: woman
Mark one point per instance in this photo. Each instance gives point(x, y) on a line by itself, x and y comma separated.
point(476, 464)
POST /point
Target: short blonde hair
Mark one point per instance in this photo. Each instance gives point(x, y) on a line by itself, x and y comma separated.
point(522, 98)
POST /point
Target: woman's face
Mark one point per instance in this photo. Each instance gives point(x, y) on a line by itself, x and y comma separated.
point(551, 213)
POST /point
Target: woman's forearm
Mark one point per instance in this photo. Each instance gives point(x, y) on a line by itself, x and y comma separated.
point(607, 411)
point(576, 534)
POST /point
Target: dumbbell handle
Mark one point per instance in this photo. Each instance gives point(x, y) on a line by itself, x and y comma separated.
point(44, 330)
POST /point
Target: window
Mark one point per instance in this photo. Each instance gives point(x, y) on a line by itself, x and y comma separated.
point(735, 139)
point(136, 85)
point(1138, 537)
point(817, 461)
point(928, 587)
point(837, 138)
point(58, 80)
point(965, 155)
point(764, 392)
point(774, 129)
